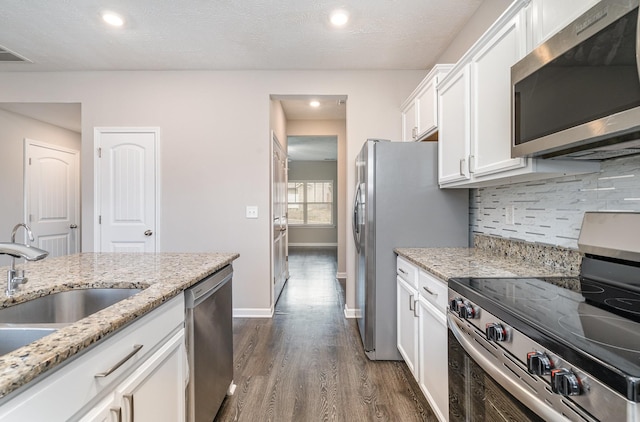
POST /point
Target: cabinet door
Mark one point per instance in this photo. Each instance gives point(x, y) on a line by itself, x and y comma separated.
point(105, 411)
point(409, 122)
point(453, 127)
point(491, 100)
point(550, 16)
point(433, 363)
point(427, 109)
point(407, 324)
point(156, 390)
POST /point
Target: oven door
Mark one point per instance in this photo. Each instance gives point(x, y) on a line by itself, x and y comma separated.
point(474, 395)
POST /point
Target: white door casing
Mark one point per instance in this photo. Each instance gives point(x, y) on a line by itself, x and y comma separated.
point(279, 218)
point(126, 189)
point(51, 196)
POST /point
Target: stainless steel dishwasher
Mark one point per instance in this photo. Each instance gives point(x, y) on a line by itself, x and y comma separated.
point(209, 337)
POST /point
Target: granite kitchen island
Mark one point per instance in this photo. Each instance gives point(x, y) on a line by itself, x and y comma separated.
point(162, 277)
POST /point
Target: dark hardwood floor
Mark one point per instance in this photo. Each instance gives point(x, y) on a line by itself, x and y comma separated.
point(307, 363)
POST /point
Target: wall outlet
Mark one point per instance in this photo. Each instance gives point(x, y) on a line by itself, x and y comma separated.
point(509, 212)
point(252, 211)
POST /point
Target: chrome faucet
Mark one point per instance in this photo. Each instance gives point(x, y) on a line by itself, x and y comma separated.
point(19, 250)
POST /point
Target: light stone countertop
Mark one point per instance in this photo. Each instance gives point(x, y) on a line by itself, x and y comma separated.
point(161, 275)
point(447, 263)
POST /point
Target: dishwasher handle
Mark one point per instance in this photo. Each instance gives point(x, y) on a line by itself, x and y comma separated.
point(205, 288)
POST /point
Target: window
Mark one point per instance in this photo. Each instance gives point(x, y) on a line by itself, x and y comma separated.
point(310, 202)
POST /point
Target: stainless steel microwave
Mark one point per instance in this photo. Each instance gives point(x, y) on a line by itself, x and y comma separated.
point(577, 95)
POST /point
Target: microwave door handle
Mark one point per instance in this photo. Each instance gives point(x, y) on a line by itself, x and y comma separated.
point(505, 379)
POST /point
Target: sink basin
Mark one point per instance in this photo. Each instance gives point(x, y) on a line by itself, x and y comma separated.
point(12, 338)
point(63, 307)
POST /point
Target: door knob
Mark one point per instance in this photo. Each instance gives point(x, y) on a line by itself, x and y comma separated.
point(73, 226)
point(148, 233)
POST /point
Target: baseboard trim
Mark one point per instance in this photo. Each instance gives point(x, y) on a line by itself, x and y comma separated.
point(252, 313)
point(341, 275)
point(314, 245)
point(349, 313)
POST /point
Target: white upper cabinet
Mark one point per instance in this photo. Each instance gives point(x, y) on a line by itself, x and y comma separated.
point(490, 71)
point(420, 110)
point(550, 16)
point(453, 132)
point(410, 121)
point(475, 112)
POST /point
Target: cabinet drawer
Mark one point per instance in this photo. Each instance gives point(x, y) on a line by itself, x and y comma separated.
point(434, 290)
point(60, 395)
point(407, 271)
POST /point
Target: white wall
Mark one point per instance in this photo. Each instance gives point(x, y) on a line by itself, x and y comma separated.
point(485, 16)
point(214, 147)
point(14, 128)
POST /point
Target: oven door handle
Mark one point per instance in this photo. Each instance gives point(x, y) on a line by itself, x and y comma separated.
point(506, 379)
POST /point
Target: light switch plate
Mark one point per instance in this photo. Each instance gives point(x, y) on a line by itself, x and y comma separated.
point(252, 211)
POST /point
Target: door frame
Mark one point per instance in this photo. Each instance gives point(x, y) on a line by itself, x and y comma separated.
point(97, 206)
point(274, 138)
point(26, 180)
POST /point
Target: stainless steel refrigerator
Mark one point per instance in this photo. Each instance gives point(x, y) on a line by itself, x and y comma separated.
point(397, 204)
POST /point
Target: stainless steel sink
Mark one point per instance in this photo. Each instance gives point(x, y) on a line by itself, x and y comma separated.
point(12, 338)
point(63, 307)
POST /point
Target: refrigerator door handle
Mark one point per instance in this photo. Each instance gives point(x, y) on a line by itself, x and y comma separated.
point(356, 229)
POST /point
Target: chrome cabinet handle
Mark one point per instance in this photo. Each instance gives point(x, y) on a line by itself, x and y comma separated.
point(129, 398)
point(461, 169)
point(136, 349)
point(415, 309)
point(73, 226)
point(471, 158)
point(412, 303)
point(148, 233)
point(117, 412)
point(402, 271)
point(430, 292)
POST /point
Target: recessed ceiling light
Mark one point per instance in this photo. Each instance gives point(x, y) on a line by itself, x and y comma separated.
point(339, 18)
point(112, 19)
point(314, 103)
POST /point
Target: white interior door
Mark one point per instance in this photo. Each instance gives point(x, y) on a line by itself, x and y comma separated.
point(52, 190)
point(280, 225)
point(127, 219)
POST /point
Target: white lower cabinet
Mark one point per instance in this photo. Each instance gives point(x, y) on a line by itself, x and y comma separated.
point(142, 364)
point(407, 298)
point(432, 361)
point(105, 411)
point(422, 334)
point(156, 390)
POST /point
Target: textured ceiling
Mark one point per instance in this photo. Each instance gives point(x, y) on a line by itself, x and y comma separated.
point(229, 34)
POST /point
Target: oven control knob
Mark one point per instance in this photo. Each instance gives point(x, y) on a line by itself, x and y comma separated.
point(495, 332)
point(565, 382)
point(538, 363)
point(467, 311)
point(455, 304)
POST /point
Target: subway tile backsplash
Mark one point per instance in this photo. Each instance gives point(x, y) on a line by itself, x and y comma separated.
point(551, 211)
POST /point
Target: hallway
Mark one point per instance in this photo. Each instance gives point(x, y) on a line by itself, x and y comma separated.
point(307, 362)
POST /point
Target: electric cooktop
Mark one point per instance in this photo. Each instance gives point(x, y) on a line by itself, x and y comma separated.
point(593, 325)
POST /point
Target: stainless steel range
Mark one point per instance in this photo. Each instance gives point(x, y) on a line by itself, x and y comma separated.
point(552, 348)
